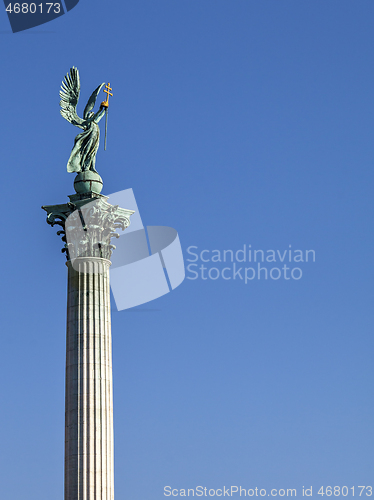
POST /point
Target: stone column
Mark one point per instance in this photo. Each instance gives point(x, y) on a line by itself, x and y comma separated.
point(89, 392)
point(88, 223)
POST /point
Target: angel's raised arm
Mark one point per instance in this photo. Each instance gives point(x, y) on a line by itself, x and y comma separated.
point(98, 116)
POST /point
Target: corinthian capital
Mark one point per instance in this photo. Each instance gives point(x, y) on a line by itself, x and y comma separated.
point(88, 225)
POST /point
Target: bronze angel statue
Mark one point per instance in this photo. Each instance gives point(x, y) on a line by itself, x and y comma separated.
point(86, 144)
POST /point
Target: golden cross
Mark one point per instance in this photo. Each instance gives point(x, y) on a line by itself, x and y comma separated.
point(107, 90)
point(105, 104)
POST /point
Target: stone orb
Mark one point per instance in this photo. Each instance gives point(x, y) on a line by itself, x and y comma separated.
point(88, 181)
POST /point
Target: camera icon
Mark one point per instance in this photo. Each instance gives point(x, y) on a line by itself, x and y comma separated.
point(147, 262)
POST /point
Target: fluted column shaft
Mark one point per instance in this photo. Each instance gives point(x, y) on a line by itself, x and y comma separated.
point(89, 459)
point(88, 223)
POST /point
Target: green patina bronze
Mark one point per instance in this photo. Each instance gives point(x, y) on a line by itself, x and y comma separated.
point(86, 144)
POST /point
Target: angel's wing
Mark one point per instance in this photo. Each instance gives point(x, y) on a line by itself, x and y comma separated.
point(91, 101)
point(69, 94)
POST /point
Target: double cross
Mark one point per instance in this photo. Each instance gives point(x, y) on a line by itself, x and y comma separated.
point(105, 104)
point(107, 90)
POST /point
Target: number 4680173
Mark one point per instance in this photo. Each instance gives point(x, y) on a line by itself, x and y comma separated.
point(344, 490)
point(32, 8)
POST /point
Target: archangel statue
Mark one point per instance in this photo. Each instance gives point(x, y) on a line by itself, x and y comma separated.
point(86, 144)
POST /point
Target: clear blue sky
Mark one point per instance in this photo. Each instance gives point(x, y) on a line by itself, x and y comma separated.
point(235, 122)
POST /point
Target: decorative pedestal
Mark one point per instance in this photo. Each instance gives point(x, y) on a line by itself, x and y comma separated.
point(88, 223)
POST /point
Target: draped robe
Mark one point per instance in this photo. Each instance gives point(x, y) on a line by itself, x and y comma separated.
point(86, 144)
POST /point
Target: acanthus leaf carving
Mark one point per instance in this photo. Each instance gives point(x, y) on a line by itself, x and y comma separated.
point(87, 228)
